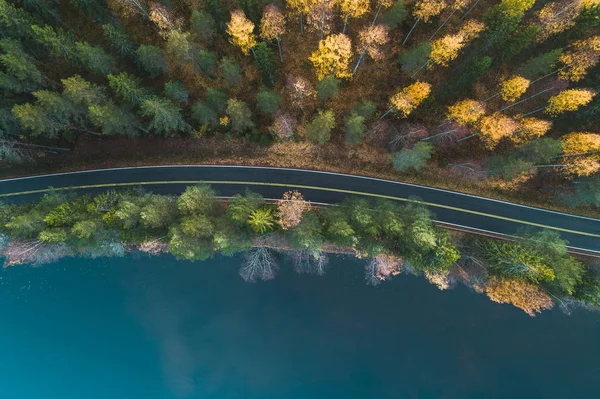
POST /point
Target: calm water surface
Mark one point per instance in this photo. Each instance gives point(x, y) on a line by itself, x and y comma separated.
point(156, 328)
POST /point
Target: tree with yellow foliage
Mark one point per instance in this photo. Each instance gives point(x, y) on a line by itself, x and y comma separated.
point(301, 8)
point(447, 48)
point(457, 5)
point(581, 152)
point(464, 112)
point(353, 9)
point(272, 26)
point(370, 40)
point(405, 101)
point(493, 128)
point(583, 55)
point(569, 100)
point(424, 10)
point(557, 17)
point(241, 31)
point(529, 129)
point(520, 293)
point(333, 56)
point(512, 89)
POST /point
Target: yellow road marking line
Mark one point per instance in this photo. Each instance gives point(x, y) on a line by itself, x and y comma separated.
point(299, 186)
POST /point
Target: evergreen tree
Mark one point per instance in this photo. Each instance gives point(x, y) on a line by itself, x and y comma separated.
point(203, 25)
point(119, 40)
point(265, 61)
point(151, 60)
point(128, 87)
point(216, 99)
point(230, 72)
point(415, 158)
point(176, 91)
point(354, 128)
point(319, 129)
point(20, 74)
point(328, 88)
point(163, 115)
point(240, 115)
point(205, 115)
point(395, 15)
point(113, 120)
point(268, 101)
point(94, 59)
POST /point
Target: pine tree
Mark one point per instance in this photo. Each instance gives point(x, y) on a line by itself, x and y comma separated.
point(176, 91)
point(119, 40)
point(268, 101)
point(328, 88)
point(203, 25)
point(265, 60)
point(94, 59)
point(163, 115)
point(240, 115)
point(128, 87)
point(319, 129)
point(113, 120)
point(230, 72)
point(354, 128)
point(20, 74)
point(151, 60)
point(415, 158)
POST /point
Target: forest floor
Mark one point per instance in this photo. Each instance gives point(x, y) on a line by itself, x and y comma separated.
point(94, 153)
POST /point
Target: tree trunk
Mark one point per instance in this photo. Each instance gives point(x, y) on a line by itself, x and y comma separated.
point(410, 31)
point(301, 25)
point(470, 9)
point(525, 99)
point(377, 14)
point(385, 114)
point(533, 112)
point(468, 137)
point(345, 24)
point(279, 47)
point(439, 134)
point(442, 25)
point(358, 63)
point(419, 70)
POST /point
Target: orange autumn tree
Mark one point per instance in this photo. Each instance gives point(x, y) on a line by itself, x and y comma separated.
point(581, 153)
point(405, 101)
point(241, 31)
point(529, 129)
point(370, 41)
point(290, 209)
point(569, 100)
point(272, 26)
point(582, 56)
point(466, 112)
point(333, 56)
point(494, 127)
point(519, 293)
point(512, 89)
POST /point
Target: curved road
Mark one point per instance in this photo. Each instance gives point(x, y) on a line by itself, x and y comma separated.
point(448, 207)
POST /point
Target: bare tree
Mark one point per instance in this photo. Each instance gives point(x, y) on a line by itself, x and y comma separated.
point(33, 251)
point(382, 267)
point(259, 264)
point(304, 262)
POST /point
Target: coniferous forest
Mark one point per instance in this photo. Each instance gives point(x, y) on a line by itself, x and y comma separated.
point(495, 97)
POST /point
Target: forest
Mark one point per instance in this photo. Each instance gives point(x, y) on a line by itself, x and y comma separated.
point(531, 272)
point(492, 97)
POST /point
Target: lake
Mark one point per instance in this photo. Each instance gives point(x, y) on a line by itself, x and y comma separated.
point(140, 327)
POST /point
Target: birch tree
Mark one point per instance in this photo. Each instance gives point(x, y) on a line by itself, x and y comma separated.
point(569, 100)
point(333, 56)
point(241, 31)
point(406, 100)
point(272, 26)
point(581, 56)
point(425, 10)
point(353, 9)
point(370, 41)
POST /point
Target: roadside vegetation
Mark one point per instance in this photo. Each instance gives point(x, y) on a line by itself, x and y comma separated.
point(533, 272)
point(498, 96)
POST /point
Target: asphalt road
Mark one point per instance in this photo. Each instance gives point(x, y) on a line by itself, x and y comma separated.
point(450, 207)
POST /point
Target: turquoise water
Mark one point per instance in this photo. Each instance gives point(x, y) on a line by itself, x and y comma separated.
point(150, 328)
